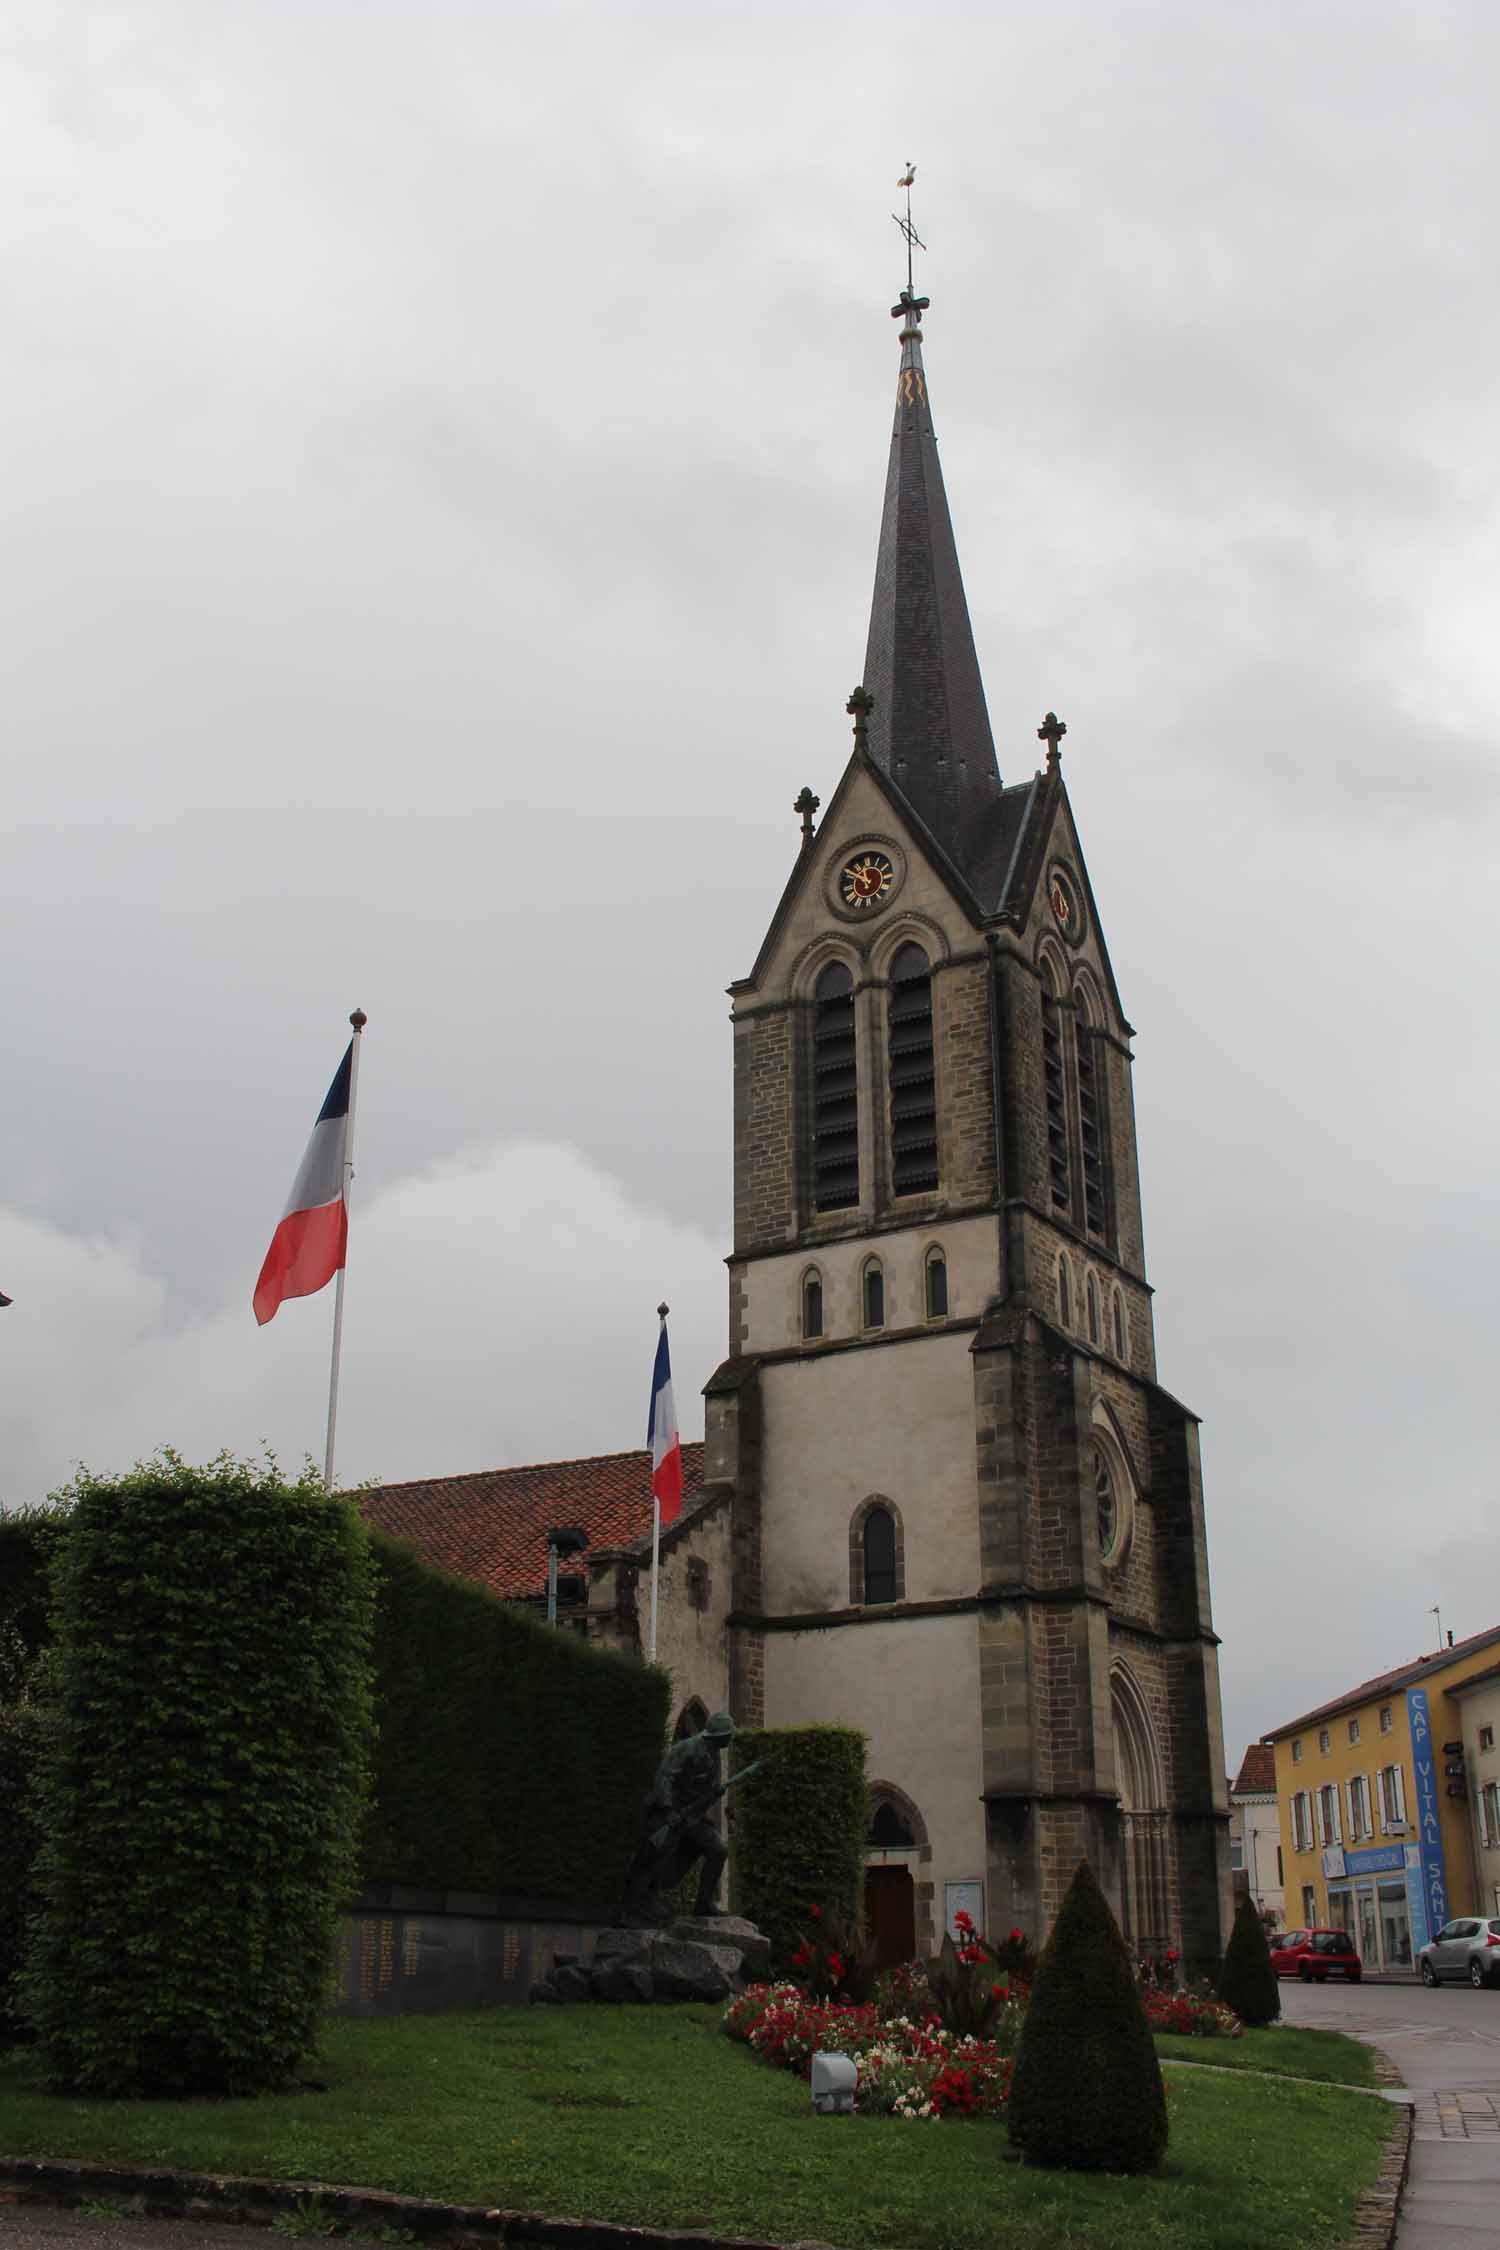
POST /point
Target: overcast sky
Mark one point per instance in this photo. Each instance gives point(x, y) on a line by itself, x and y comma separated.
point(443, 450)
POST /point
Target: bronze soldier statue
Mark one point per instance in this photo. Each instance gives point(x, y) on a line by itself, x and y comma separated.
point(675, 1828)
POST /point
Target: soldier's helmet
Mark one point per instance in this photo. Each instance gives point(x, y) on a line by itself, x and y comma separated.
point(720, 1727)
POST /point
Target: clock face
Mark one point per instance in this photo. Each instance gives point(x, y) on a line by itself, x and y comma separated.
point(1064, 912)
point(866, 879)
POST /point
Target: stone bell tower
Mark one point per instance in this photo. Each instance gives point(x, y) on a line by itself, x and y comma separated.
point(965, 1515)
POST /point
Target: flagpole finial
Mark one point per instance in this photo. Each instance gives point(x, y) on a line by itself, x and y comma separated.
point(359, 1019)
point(663, 1310)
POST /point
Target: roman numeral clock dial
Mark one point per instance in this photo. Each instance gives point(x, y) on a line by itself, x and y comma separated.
point(865, 879)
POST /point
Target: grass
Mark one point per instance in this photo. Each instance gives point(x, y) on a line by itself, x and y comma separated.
point(1287, 2051)
point(657, 2118)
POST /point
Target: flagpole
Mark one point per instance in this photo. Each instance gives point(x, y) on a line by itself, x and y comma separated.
point(662, 1310)
point(359, 1019)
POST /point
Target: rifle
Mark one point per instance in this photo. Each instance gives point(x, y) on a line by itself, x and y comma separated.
point(658, 1838)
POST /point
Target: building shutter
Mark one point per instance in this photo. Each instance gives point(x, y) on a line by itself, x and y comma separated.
point(1400, 1794)
point(1484, 1821)
point(1318, 1817)
point(1352, 1791)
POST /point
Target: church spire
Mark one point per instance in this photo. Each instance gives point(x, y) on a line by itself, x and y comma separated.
point(929, 729)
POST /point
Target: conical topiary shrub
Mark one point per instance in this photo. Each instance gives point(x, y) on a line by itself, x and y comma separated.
point(1087, 2090)
point(1247, 1981)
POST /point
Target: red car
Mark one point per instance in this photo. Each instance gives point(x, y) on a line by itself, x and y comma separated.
point(1316, 1955)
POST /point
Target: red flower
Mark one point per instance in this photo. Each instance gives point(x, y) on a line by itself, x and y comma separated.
point(816, 1912)
point(1016, 1936)
point(835, 1966)
point(1171, 1957)
point(963, 1922)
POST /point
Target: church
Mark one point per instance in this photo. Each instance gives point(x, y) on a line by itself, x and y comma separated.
point(941, 1494)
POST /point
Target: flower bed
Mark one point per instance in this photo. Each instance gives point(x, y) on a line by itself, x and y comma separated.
point(1191, 2015)
point(906, 2067)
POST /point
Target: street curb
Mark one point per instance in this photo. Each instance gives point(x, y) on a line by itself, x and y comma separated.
point(155, 2194)
point(1378, 2211)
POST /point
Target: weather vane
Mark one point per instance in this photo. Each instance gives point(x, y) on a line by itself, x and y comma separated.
point(911, 306)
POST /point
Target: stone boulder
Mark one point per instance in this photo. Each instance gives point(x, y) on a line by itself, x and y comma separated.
point(725, 1931)
point(572, 1982)
point(682, 1970)
point(544, 1993)
point(622, 1980)
point(623, 1945)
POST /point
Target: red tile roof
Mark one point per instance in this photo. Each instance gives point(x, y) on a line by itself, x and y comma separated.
point(1257, 1774)
point(492, 1526)
point(1385, 1683)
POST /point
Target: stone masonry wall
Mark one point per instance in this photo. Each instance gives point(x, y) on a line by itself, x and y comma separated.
point(765, 1153)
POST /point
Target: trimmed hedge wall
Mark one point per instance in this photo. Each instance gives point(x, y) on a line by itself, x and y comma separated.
point(509, 1756)
point(21, 1740)
point(799, 1828)
point(200, 1796)
point(1247, 1981)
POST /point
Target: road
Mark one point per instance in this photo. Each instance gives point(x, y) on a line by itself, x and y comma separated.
point(1446, 2045)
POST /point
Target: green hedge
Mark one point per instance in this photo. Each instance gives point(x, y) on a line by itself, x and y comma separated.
point(201, 1794)
point(1087, 2090)
point(799, 1828)
point(509, 1756)
point(21, 1738)
point(1247, 1981)
point(29, 1539)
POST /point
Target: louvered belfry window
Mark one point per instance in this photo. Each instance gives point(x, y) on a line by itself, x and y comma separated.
point(835, 1102)
point(1091, 1127)
point(1057, 1096)
point(914, 1151)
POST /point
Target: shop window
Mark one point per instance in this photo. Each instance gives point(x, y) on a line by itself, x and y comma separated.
point(1309, 1906)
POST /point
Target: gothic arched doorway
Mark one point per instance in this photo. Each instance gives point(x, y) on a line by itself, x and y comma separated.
point(1145, 1911)
point(894, 1845)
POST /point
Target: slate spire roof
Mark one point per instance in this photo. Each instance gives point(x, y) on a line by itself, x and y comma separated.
point(929, 731)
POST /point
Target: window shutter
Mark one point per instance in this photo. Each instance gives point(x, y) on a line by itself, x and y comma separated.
point(1380, 1797)
point(1352, 1792)
point(1318, 1817)
point(1400, 1794)
point(1484, 1821)
point(1338, 1816)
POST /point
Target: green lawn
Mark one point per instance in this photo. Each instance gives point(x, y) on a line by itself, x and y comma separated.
point(1290, 2053)
point(656, 2117)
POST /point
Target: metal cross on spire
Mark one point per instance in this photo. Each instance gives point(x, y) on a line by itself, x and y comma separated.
point(911, 307)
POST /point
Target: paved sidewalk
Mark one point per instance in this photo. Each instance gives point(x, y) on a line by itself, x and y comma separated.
point(1446, 2046)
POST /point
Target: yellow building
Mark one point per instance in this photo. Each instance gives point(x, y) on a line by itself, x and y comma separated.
point(1372, 1793)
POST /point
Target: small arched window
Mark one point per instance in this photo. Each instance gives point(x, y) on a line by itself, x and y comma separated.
point(879, 1538)
point(1064, 1294)
point(937, 1285)
point(835, 1100)
point(873, 1290)
point(1119, 1319)
point(693, 1720)
point(1106, 1505)
point(914, 1149)
point(812, 1304)
point(1055, 1089)
point(1093, 1305)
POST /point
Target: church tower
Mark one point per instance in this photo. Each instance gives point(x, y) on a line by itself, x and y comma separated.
point(964, 1514)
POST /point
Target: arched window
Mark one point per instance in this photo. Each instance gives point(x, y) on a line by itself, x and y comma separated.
point(835, 1102)
point(1055, 1085)
point(873, 1290)
point(1064, 1294)
point(937, 1285)
point(1093, 1304)
point(877, 1565)
point(1108, 1514)
point(812, 1304)
point(914, 1151)
point(879, 1556)
point(693, 1720)
point(1090, 1116)
point(1118, 1309)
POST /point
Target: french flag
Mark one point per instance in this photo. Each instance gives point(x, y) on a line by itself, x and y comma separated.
point(662, 1435)
point(310, 1245)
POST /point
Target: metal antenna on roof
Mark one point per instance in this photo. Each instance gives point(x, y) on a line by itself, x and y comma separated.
point(909, 233)
point(1437, 1613)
